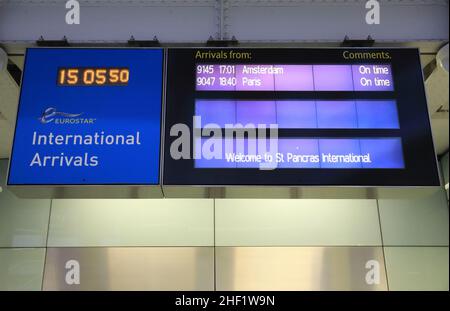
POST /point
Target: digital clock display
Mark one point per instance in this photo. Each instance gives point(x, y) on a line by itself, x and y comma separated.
point(93, 76)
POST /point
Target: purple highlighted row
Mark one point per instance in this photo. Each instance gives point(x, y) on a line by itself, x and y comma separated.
point(296, 153)
point(364, 77)
point(301, 114)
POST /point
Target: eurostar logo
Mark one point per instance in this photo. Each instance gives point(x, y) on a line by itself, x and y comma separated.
point(52, 115)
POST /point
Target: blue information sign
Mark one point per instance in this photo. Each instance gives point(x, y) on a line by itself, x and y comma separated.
point(89, 117)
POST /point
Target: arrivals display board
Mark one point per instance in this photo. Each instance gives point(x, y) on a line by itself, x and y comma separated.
point(297, 117)
point(89, 117)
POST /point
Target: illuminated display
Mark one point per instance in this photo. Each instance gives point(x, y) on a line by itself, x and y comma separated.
point(73, 133)
point(303, 114)
point(364, 77)
point(93, 76)
point(298, 117)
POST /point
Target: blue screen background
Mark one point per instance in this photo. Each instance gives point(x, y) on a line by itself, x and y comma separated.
point(116, 110)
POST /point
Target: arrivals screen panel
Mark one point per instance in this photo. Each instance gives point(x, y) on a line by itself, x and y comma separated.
point(89, 117)
point(352, 117)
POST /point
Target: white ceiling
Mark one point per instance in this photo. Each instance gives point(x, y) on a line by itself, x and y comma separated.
point(437, 87)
